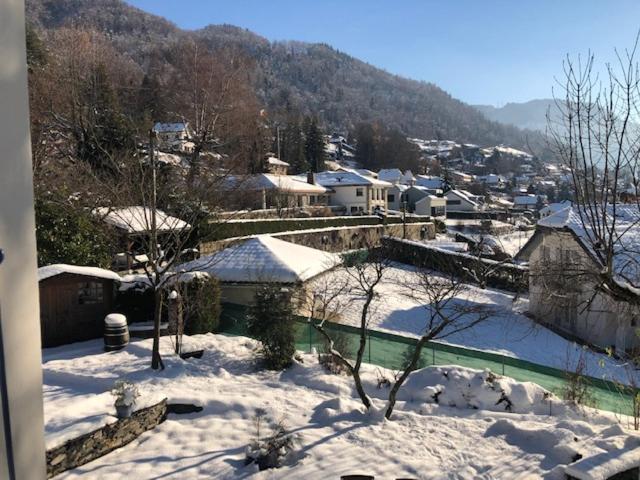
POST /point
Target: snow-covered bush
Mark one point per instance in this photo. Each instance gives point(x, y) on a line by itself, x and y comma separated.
point(271, 321)
point(274, 450)
point(126, 393)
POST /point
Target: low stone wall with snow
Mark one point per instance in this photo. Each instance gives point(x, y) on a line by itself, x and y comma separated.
point(340, 239)
point(506, 276)
point(88, 447)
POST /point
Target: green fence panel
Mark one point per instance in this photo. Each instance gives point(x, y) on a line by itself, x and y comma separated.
point(391, 351)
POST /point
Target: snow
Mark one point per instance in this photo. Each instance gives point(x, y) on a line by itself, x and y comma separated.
point(264, 258)
point(137, 219)
point(283, 183)
point(425, 439)
point(115, 320)
point(508, 332)
point(391, 175)
point(277, 161)
point(347, 178)
point(60, 268)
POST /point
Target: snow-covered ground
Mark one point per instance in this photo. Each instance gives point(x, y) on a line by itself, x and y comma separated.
point(508, 332)
point(467, 435)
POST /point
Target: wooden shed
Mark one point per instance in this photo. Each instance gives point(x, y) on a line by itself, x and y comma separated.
point(73, 302)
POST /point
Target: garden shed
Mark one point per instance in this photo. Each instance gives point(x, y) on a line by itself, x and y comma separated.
point(73, 302)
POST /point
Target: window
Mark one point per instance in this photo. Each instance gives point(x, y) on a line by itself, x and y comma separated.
point(354, 209)
point(312, 199)
point(90, 293)
point(391, 198)
point(359, 192)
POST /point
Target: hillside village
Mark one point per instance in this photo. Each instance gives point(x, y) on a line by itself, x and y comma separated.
point(241, 284)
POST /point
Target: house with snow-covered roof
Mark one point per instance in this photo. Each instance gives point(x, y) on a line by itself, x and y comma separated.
point(174, 136)
point(462, 201)
point(574, 287)
point(73, 302)
point(391, 175)
point(359, 194)
point(277, 166)
point(244, 267)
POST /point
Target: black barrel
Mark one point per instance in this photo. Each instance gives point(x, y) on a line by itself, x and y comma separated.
point(116, 332)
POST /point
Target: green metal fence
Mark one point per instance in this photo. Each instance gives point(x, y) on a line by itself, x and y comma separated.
point(390, 351)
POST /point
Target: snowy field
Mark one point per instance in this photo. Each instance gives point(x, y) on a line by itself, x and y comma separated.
point(508, 332)
point(467, 435)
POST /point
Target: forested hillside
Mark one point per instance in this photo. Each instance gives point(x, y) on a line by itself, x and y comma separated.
point(290, 78)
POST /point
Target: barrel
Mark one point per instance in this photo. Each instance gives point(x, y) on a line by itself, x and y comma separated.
point(116, 332)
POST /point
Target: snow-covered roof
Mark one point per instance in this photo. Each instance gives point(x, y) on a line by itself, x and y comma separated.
point(626, 234)
point(491, 179)
point(392, 175)
point(265, 259)
point(60, 268)
point(277, 161)
point(463, 195)
point(347, 178)
point(170, 127)
point(555, 207)
point(137, 219)
point(429, 182)
point(528, 200)
point(284, 183)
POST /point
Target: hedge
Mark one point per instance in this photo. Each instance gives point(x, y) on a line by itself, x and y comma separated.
point(229, 229)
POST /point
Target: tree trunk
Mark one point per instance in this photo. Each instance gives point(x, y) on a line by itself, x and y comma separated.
point(156, 359)
point(410, 368)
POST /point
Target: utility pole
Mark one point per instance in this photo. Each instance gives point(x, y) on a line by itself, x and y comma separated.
point(278, 139)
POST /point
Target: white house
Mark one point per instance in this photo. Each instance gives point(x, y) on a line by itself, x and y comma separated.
point(395, 196)
point(357, 193)
point(462, 201)
point(567, 290)
point(277, 166)
point(174, 136)
point(529, 201)
point(432, 183)
point(431, 205)
point(283, 191)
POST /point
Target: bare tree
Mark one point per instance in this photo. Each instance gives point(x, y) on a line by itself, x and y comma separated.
point(448, 311)
point(358, 278)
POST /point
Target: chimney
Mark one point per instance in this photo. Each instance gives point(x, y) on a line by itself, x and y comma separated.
point(311, 178)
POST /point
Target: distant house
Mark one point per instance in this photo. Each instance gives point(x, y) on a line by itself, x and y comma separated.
point(277, 166)
point(245, 267)
point(396, 196)
point(492, 180)
point(529, 202)
point(174, 136)
point(566, 290)
point(358, 193)
point(431, 205)
point(416, 193)
point(134, 225)
point(462, 201)
point(73, 302)
point(266, 190)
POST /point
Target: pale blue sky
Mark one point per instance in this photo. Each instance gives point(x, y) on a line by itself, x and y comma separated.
point(481, 51)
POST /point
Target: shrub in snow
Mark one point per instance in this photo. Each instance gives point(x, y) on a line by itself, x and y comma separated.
point(273, 450)
point(126, 394)
point(468, 388)
point(271, 321)
point(406, 359)
point(342, 344)
point(201, 301)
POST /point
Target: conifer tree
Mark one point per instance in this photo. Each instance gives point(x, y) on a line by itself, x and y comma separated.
point(314, 145)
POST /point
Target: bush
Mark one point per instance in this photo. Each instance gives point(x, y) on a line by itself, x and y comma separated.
point(271, 321)
point(201, 300)
point(136, 302)
point(70, 235)
point(341, 343)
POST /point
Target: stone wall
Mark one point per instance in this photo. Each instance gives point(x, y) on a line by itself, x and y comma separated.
point(340, 239)
point(88, 447)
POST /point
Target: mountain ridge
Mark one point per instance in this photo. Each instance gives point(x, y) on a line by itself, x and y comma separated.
point(293, 76)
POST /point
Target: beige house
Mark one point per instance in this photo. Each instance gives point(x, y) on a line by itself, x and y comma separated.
point(567, 291)
point(244, 267)
point(277, 166)
point(359, 194)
